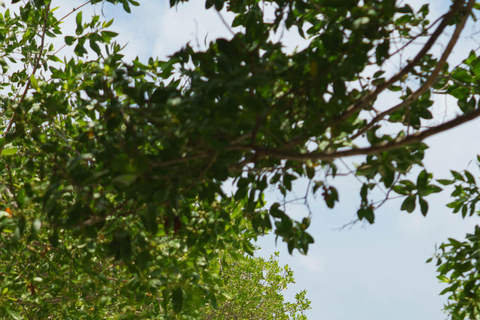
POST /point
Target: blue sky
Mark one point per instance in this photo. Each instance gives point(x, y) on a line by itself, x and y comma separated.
point(365, 272)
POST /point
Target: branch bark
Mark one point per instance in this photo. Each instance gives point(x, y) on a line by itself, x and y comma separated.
point(328, 156)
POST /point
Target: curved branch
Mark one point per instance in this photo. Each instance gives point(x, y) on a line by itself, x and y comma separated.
point(382, 147)
point(430, 81)
point(35, 67)
point(455, 7)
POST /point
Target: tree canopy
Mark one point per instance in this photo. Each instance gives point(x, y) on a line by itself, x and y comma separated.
point(253, 291)
point(112, 170)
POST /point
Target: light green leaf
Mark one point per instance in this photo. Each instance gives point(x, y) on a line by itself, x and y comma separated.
point(33, 82)
point(9, 151)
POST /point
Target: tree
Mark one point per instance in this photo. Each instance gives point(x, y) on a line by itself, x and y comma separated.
point(254, 287)
point(112, 170)
point(457, 261)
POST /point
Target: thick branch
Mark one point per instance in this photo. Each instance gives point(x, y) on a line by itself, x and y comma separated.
point(382, 147)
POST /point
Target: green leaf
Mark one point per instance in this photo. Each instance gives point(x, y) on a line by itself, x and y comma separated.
point(422, 179)
point(80, 49)
point(69, 40)
point(94, 21)
point(107, 24)
point(33, 82)
point(403, 19)
point(310, 172)
point(429, 189)
point(331, 196)
point(401, 190)
point(54, 58)
point(394, 88)
point(276, 212)
point(409, 204)
point(108, 35)
point(423, 206)
point(424, 10)
point(462, 76)
point(126, 7)
point(475, 67)
point(460, 93)
point(455, 243)
point(405, 9)
point(248, 247)
point(367, 213)
point(470, 178)
point(445, 182)
point(14, 315)
point(78, 20)
point(9, 151)
point(457, 175)
point(95, 47)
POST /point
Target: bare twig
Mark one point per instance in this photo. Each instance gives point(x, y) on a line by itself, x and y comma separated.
point(416, 37)
point(225, 23)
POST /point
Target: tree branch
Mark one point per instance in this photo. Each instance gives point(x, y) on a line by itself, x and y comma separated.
point(455, 7)
point(73, 10)
point(35, 67)
point(430, 81)
point(382, 147)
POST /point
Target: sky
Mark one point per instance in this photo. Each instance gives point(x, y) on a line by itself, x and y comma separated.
point(372, 272)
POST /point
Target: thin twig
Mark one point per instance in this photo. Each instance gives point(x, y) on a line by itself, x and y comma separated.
point(225, 23)
point(71, 12)
point(416, 37)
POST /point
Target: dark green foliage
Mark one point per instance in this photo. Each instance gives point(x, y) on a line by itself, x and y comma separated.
point(112, 170)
